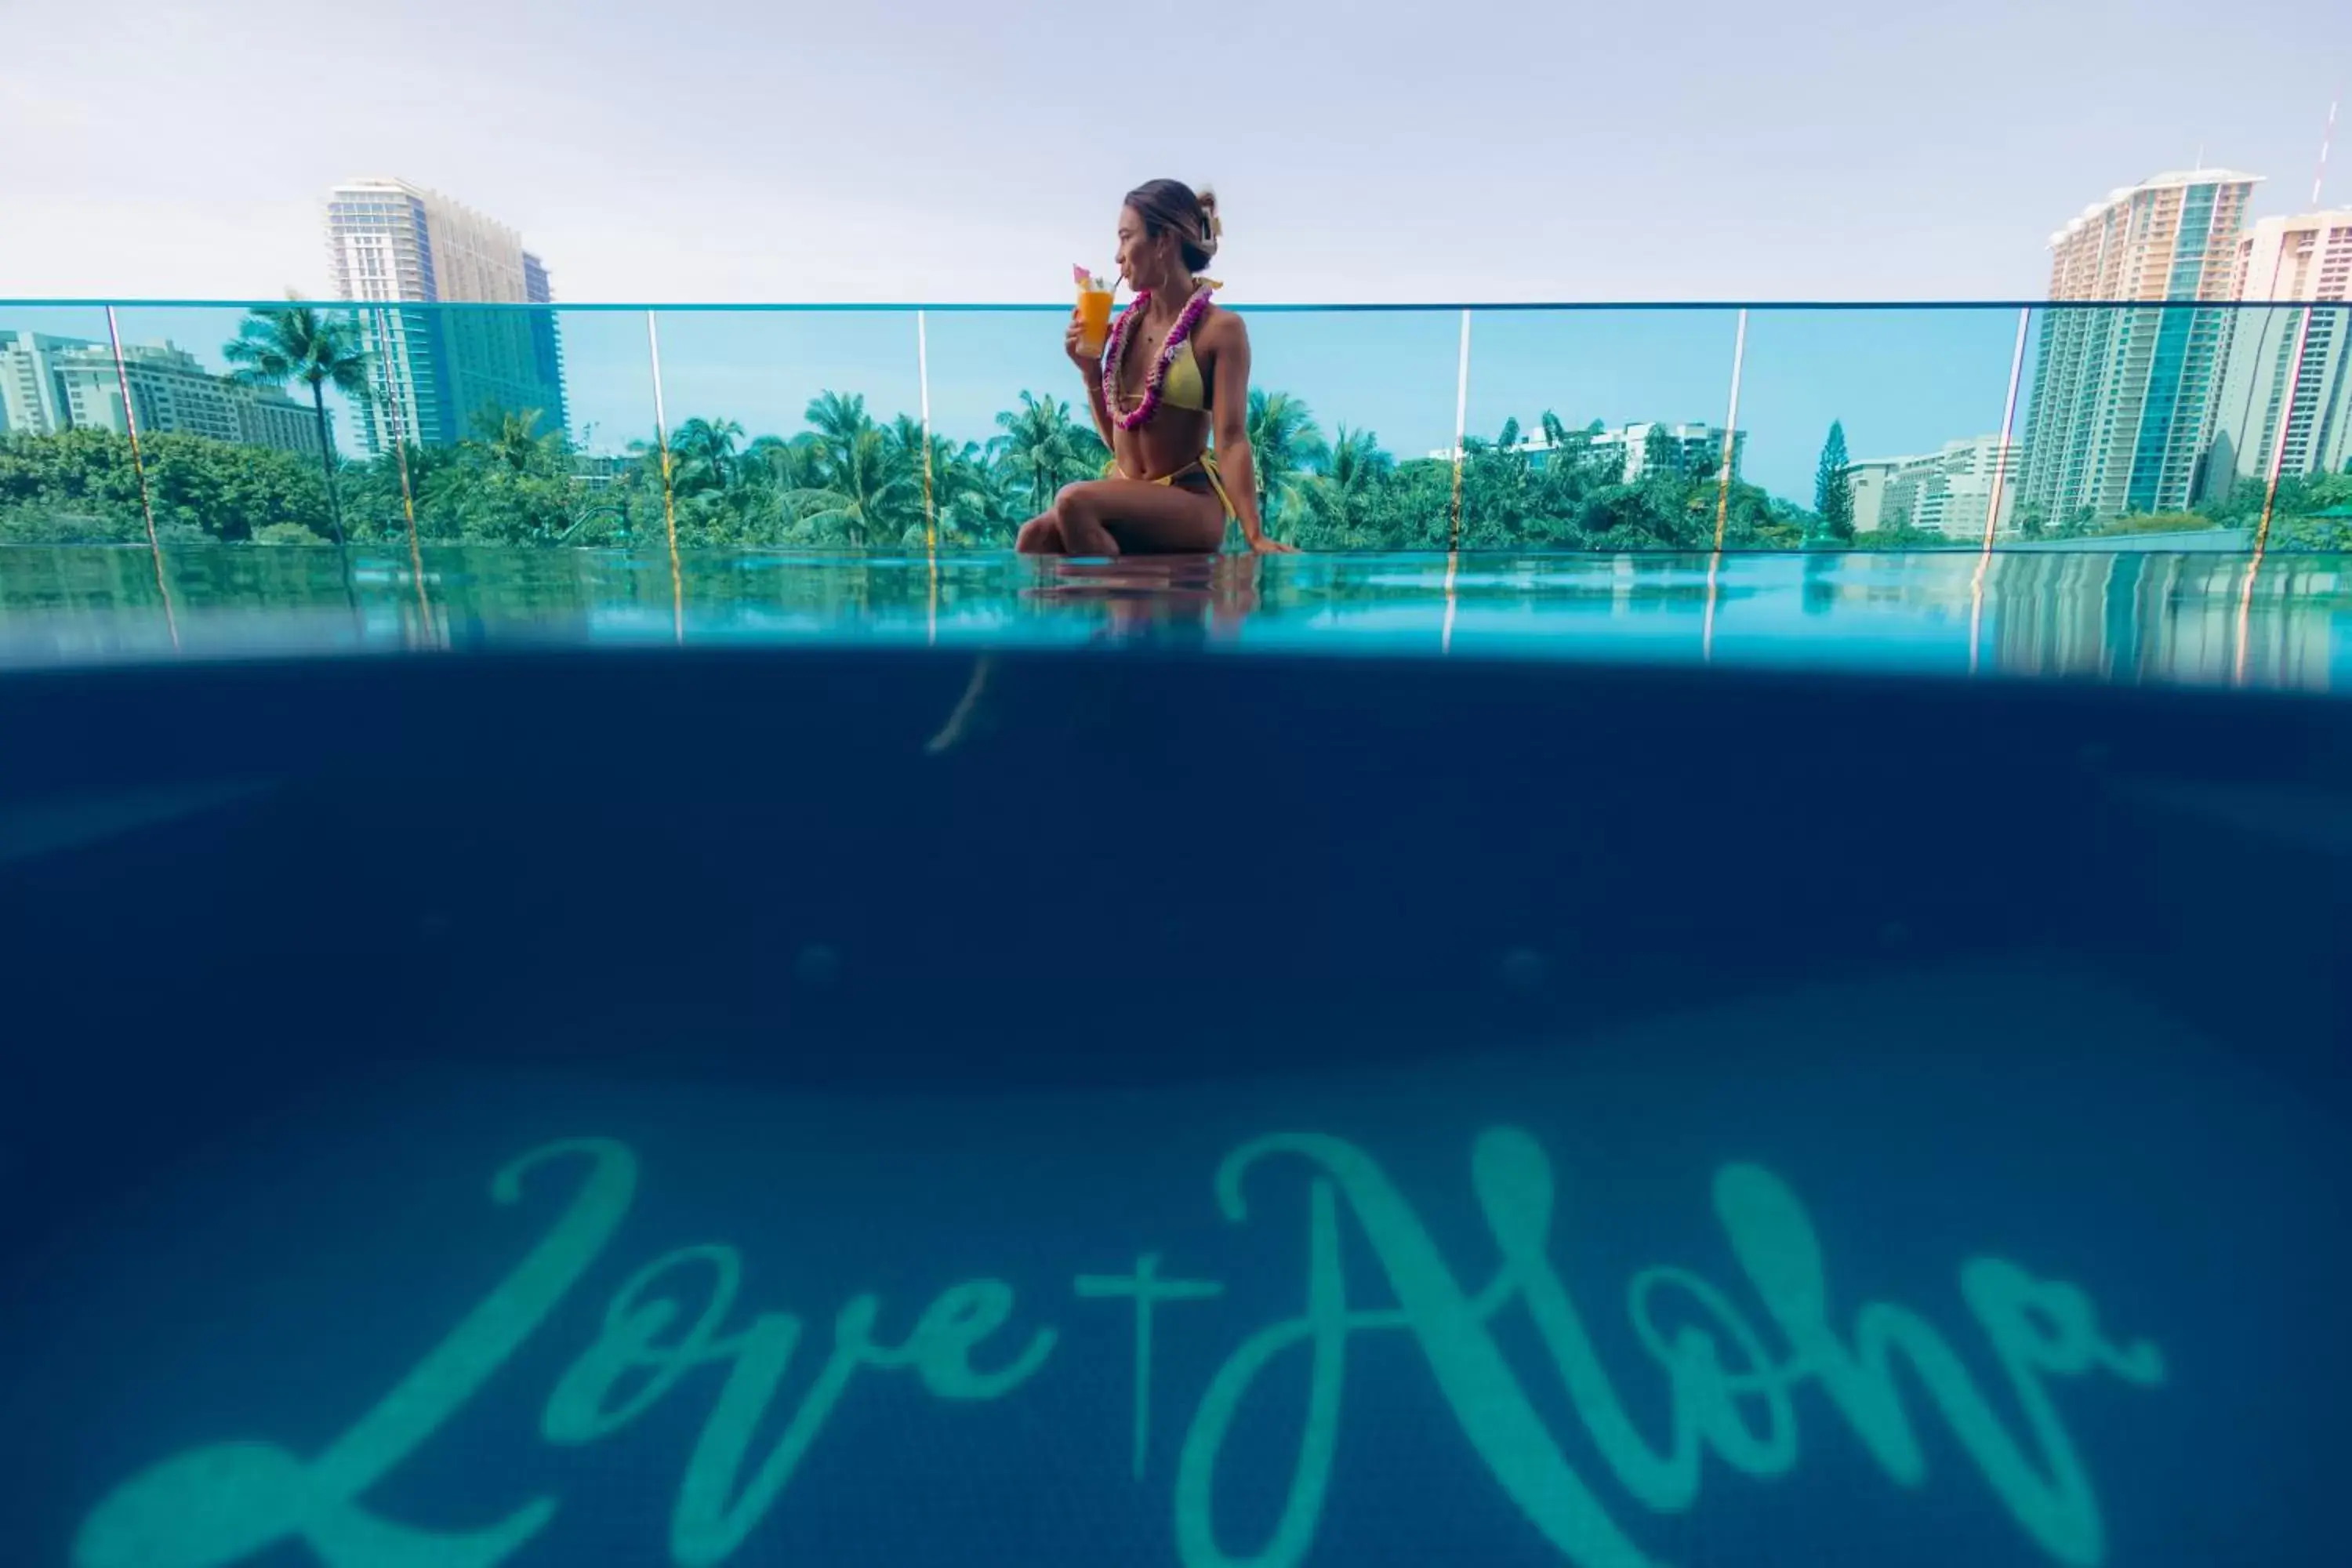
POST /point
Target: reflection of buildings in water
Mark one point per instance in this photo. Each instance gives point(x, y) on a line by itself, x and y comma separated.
point(1652, 584)
point(2126, 616)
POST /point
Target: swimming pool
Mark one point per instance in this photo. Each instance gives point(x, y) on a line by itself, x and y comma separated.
point(2114, 615)
point(1514, 1061)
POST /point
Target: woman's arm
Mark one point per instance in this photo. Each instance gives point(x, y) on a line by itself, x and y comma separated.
point(1237, 465)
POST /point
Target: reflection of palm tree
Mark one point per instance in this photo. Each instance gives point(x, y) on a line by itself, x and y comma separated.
point(1285, 441)
point(866, 498)
point(1044, 449)
point(297, 343)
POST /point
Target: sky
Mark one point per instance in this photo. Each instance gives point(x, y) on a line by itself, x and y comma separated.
point(1370, 153)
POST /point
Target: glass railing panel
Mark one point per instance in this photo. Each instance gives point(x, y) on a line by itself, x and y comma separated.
point(219, 444)
point(2311, 510)
point(2171, 428)
point(1009, 421)
point(1601, 430)
point(56, 491)
point(795, 429)
point(2118, 430)
point(1877, 428)
point(1352, 413)
point(2277, 458)
point(70, 499)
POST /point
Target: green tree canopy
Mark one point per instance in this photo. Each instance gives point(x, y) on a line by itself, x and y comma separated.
point(1833, 486)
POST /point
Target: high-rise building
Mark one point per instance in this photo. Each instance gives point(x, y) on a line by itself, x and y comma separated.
point(546, 343)
point(1949, 491)
point(397, 249)
point(49, 385)
point(2286, 384)
point(2125, 389)
point(32, 400)
point(1696, 450)
point(1867, 481)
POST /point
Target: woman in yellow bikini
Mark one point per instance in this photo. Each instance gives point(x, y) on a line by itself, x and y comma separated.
point(1175, 371)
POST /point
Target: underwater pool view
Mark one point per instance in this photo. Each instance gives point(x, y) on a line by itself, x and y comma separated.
point(1531, 1062)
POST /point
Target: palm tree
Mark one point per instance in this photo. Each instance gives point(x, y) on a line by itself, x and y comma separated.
point(511, 437)
point(1044, 449)
point(704, 450)
point(1339, 500)
point(1285, 442)
point(794, 464)
point(274, 347)
point(906, 448)
point(865, 498)
point(946, 477)
point(839, 419)
point(983, 501)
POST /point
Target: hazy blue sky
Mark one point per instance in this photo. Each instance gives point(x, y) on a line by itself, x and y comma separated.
point(1368, 153)
point(1372, 150)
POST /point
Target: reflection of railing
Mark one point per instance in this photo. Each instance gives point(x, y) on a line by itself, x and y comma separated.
point(1572, 427)
point(2126, 615)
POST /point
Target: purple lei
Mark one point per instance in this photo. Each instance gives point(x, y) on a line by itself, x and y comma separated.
point(1123, 332)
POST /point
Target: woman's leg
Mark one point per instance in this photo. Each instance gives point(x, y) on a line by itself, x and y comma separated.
point(1041, 536)
point(1130, 517)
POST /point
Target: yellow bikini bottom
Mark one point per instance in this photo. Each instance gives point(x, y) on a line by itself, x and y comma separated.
point(1206, 463)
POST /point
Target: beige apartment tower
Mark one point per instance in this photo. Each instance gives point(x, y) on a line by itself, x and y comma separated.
point(2126, 390)
point(397, 249)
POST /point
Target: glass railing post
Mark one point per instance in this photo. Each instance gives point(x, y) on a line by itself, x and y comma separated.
point(2004, 455)
point(1461, 433)
point(139, 465)
point(1730, 431)
point(670, 495)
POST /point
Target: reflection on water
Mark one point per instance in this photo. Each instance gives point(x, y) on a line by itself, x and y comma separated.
point(2110, 616)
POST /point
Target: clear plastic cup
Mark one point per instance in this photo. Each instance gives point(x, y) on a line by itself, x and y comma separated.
point(1094, 320)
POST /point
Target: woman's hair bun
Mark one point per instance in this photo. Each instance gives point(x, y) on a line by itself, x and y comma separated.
point(1171, 205)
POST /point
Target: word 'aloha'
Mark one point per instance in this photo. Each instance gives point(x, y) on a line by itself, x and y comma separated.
point(226, 1502)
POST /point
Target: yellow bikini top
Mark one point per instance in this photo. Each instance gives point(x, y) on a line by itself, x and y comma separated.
point(1184, 388)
